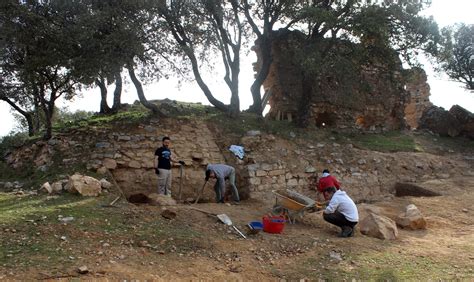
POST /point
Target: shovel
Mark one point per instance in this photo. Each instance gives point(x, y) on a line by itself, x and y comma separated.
point(226, 220)
point(200, 193)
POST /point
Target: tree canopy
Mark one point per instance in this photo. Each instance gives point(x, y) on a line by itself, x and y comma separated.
point(456, 56)
point(51, 48)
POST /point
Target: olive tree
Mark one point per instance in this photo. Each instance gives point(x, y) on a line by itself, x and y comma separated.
point(456, 56)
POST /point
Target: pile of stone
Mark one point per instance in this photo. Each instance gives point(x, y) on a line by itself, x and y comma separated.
point(77, 184)
point(376, 225)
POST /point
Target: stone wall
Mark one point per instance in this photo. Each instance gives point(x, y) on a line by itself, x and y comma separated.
point(279, 164)
point(271, 163)
point(128, 152)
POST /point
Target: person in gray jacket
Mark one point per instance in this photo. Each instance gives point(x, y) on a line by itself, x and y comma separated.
point(221, 172)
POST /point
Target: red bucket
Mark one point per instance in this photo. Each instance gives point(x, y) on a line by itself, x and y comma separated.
point(273, 224)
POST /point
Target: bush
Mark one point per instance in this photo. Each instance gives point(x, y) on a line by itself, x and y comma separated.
point(11, 141)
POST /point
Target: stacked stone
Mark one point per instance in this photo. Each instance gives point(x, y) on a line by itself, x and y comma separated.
point(271, 163)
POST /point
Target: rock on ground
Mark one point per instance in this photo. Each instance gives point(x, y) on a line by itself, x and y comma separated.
point(411, 218)
point(58, 186)
point(105, 184)
point(378, 226)
point(84, 185)
point(46, 187)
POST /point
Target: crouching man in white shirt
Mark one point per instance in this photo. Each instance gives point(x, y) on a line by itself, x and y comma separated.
point(341, 211)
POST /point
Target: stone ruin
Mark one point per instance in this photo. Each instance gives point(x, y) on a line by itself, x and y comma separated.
point(380, 99)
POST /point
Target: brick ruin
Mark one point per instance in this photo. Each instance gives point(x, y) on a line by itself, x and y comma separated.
point(380, 99)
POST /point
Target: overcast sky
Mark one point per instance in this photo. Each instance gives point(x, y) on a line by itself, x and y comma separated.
point(444, 93)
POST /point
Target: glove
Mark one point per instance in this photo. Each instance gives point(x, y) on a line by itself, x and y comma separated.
point(157, 171)
point(181, 162)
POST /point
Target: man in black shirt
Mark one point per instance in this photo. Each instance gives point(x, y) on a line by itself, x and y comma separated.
point(162, 163)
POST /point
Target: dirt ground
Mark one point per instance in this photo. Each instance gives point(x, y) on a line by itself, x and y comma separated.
point(135, 242)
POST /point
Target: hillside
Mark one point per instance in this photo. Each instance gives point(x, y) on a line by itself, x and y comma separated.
point(133, 241)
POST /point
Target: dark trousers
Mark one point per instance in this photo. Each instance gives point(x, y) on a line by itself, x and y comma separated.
point(338, 219)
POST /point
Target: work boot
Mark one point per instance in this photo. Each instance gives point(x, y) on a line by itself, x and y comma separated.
point(352, 232)
point(346, 232)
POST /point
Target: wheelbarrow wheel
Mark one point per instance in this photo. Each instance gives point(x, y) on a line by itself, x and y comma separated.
point(278, 210)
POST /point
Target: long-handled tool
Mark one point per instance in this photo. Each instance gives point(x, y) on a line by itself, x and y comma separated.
point(226, 220)
point(180, 182)
point(223, 218)
point(121, 194)
point(200, 194)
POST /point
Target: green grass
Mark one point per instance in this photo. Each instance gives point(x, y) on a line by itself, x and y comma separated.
point(245, 122)
point(15, 209)
point(30, 232)
point(394, 141)
point(36, 238)
point(135, 114)
point(447, 143)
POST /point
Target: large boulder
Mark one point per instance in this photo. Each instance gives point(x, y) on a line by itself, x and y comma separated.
point(440, 121)
point(411, 218)
point(378, 226)
point(466, 118)
point(84, 185)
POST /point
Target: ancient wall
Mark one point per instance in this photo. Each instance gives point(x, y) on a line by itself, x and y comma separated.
point(271, 163)
point(279, 164)
point(128, 152)
point(372, 98)
point(418, 100)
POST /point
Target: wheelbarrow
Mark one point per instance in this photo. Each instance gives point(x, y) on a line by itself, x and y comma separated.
point(292, 204)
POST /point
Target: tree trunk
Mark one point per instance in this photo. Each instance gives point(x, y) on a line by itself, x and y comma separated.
point(205, 89)
point(48, 112)
point(31, 128)
point(234, 107)
point(27, 115)
point(117, 92)
point(140, 93)
point(104, 107)
point(266, 55)
point(37, 113)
